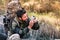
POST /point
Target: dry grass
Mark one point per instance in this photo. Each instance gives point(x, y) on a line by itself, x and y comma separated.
point(42, 5)
point(48, 18)
point(49, 24)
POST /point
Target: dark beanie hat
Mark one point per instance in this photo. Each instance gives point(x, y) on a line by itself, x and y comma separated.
point(19, 13)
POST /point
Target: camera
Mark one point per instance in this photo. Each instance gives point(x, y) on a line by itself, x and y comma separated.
point(36, 25)
point(33, 18)
point(6, 20)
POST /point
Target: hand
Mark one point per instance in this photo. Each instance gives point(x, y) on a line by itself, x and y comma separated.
point(35, 21)
point(31, 23)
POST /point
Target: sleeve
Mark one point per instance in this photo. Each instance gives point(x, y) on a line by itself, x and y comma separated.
point(35, 26)
point(20, 31)
point(23, 32)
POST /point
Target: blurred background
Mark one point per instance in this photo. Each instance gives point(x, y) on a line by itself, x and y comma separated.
point(46, 11)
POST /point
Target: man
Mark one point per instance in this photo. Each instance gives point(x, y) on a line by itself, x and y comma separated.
point(8, 19)
point(24, 25)
point(12, 7)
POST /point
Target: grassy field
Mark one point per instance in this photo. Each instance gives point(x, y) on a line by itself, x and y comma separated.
point(48, 18)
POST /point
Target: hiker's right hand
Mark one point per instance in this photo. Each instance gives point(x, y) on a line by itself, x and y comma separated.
point(31, 23)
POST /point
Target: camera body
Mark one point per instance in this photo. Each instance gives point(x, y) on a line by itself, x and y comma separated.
point(36, 25)
point(6, 22)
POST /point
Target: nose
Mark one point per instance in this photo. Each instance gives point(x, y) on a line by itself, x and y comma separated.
point(26, 17)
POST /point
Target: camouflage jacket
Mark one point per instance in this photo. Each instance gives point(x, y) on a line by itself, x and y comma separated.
point(22, 28)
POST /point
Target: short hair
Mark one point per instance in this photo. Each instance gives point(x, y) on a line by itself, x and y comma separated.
point(19, 13)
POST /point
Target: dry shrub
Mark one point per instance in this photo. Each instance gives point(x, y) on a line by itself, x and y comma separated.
point(56, 7)
point(26, 6)
point(36, 6)
point(39, 8)
point(40, 5)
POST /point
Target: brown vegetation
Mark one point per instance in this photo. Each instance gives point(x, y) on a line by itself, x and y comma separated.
point(42, 5)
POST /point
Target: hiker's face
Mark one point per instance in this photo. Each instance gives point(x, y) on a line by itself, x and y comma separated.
point(24, 17)
point(13, 15)
point(11, 12)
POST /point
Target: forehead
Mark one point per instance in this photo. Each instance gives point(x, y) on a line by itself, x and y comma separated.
point(24, 15)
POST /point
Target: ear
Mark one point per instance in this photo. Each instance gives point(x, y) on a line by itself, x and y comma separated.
point(20, 18)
